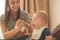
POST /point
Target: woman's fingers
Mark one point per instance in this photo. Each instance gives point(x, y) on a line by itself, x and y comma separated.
point(19, 23)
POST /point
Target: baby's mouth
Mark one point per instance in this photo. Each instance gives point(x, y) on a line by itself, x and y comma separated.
point(15, 7)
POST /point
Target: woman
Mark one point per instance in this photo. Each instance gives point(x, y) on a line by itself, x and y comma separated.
point(11, 22)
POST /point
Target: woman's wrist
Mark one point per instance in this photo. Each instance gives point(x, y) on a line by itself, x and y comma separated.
point(18, 29)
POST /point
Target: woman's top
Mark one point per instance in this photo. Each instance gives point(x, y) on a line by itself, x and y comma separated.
point(11, 23)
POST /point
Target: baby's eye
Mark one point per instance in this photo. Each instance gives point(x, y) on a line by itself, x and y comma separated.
point(17, 2)
point(34, 20)
point(12, 2)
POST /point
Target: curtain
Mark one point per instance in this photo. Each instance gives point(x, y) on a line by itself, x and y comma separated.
point(32, 6)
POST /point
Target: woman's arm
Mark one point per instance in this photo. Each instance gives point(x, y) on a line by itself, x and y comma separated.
point(11, 33)
point(8, 34)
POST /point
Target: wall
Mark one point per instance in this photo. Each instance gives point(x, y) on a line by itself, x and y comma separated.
point(54, 13)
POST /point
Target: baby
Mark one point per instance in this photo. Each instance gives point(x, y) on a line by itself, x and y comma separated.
point(40, 26)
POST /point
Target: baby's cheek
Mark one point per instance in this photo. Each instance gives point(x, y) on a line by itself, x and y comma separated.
point(36, 25)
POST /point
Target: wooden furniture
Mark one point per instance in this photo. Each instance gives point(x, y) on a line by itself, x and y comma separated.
point(56, 32)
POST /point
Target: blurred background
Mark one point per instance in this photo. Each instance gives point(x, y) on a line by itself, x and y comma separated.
point(52, 7)
point(2, 7)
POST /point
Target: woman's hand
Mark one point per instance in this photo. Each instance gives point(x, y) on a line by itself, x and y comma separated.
point(19, 24)
point(13, 32)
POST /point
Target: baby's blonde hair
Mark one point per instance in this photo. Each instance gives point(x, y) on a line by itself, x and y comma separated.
point(43, 15)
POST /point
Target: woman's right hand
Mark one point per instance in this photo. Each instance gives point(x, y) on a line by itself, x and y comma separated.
point(19, 24)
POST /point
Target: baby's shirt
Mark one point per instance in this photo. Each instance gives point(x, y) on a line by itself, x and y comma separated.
point(45, 32)
point(39, 34)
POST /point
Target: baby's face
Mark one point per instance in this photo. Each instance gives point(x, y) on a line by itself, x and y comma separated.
point(37, 22)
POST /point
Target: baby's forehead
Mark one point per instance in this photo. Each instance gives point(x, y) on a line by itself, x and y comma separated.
point(35, 17)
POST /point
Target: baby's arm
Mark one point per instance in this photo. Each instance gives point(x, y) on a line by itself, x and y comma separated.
point(30, 38)
point(49, 37)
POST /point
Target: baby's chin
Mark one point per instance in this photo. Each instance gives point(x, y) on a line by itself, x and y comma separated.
point(37, 27)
